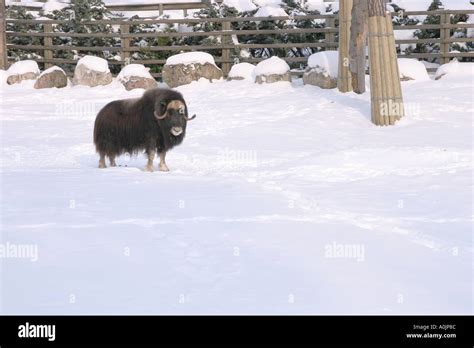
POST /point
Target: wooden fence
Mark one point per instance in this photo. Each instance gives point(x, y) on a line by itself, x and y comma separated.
point(224, 51)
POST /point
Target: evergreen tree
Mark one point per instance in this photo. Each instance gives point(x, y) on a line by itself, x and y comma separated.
point(145, 42)
point(429, 33)
point(19, 12)
point(74, 15)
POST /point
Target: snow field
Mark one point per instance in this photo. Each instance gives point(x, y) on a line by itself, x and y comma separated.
point(283, 198)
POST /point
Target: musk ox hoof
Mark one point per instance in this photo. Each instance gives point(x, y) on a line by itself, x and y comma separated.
point(149, 168)
point(102, 165)
point(164, 168)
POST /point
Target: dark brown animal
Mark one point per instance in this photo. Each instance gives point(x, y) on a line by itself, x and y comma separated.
point(156, 122)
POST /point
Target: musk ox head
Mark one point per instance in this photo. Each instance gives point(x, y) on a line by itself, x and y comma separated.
point(172, 113)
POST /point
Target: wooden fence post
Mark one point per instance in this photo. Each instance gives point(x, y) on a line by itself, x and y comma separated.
point(344, 83)
point(445, 34)
point(226, 40)
point(329, 37)
point(125, 43)
point(48, 41)
point(385, 87)
point(3, 37)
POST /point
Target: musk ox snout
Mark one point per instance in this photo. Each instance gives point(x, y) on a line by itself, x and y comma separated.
point(176, 131)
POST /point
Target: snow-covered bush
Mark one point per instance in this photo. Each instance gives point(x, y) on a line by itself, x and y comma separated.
point(144, 42)
point(18, 12)
point(435, 33)
point(76, 12)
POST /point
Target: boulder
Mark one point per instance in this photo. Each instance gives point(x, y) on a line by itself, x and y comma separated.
point(317, 78)
point(92, 71)
point(273, 78)
point(322, 69)
point(22, 70)
point(136, 76)
point(184, 68)
point(52, 77)
point(272, 70)
point(134, 82)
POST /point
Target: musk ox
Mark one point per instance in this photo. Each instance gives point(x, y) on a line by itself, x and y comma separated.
point(156, 122)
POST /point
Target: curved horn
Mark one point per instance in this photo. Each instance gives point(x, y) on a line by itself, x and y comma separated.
point(160, 117)
point(190, 118)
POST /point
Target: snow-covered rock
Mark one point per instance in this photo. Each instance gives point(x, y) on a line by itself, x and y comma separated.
point(242, 71)
point(184, 68)
point(22, 70)
point(190, 58)
point(454, 68)
point(271, 70)
point(52, 77)
point(136, 76)
point(92, 71)
point(326, 61)
point(412, 69)
point(322, 69)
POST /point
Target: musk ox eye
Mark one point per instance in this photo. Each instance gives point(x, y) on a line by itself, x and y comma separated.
point(181, 110)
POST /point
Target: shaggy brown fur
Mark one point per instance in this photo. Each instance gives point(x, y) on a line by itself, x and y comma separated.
point(131, 125)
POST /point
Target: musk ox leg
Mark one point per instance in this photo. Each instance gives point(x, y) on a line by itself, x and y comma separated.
point(151, 157)
point(163, 167)
point(112, 161)
point(102, 161)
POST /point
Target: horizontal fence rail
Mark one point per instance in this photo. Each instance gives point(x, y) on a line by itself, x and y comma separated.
point(224, 51)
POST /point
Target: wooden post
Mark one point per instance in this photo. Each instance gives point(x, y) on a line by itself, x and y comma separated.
point(3, 37)
point(48, 41)
point(344, 77)
point(445, 34)
point(357, 45)
point(225, 40)
point(329, 37)
point(125, 43)
point(160, 9)
point(385, 87)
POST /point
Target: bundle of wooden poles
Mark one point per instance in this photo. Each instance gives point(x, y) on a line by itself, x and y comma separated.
point(385, 87)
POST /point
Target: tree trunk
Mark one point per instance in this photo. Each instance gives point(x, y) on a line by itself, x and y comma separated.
point(357, 60)
point(3, 39)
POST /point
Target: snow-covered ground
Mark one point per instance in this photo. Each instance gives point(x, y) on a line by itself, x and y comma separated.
point(283, 198)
